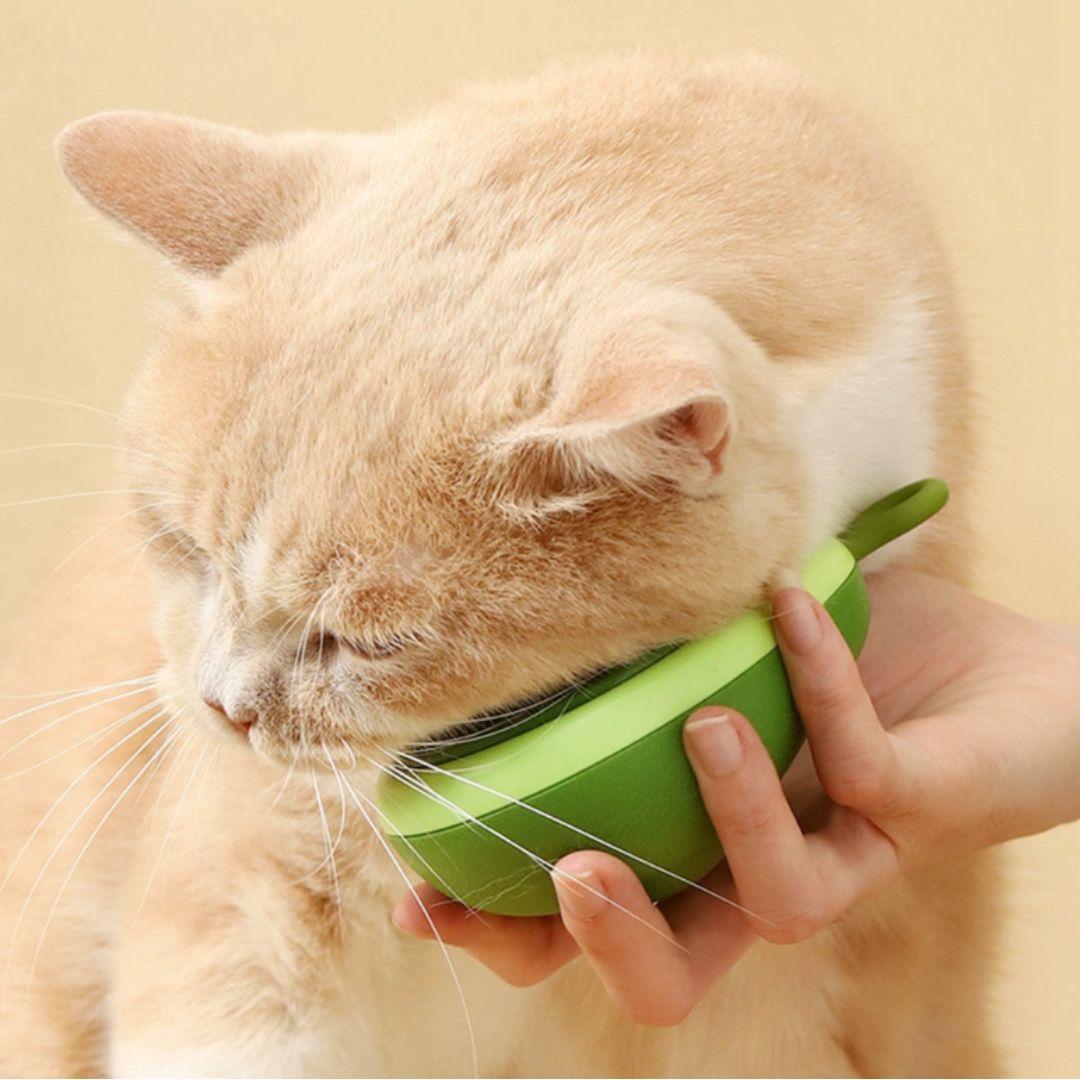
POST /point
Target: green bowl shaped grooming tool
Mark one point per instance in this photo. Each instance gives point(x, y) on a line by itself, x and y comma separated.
point(602, 767)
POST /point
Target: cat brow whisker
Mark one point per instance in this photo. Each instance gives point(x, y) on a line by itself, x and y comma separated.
point(89, 540)
point(689, 882)
point(377, 833)
point(44, 399)
point(12, 450)
point(156, 756)
point(39, 499)
point(143, 547)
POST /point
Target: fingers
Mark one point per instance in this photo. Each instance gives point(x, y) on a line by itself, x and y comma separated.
point(780, 884)
point(645, 969)
point(522, 951)
point(855, 757)
point(788, 886)
point(777, 879)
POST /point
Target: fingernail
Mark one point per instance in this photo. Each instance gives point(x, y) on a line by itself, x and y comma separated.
point(795, 615)
point(580, 895)
point(715, 743)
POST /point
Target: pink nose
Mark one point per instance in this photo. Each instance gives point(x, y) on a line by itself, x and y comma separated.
point(242, 719)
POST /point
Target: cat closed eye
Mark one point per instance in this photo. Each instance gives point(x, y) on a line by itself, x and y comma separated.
point(375, 648)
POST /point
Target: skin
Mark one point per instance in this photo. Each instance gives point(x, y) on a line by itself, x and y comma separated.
point(957, 729)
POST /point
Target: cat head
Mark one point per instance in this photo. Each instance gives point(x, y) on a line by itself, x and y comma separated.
point(427, 428)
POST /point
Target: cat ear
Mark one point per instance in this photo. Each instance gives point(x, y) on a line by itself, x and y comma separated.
point(199, 192)
point(648, 396)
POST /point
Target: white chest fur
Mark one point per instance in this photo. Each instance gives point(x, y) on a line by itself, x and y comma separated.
point(867, 420)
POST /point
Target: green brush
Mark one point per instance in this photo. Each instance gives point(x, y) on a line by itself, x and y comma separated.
point(602, 767)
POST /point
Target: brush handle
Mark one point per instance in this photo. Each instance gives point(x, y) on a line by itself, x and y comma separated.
point(894, 515)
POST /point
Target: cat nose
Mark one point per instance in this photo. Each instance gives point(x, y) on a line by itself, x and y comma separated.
point(242, 719)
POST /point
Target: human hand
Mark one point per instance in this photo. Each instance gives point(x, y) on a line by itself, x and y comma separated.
point(957, 729)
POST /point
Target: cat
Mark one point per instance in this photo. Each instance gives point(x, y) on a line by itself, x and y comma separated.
point(436, 420)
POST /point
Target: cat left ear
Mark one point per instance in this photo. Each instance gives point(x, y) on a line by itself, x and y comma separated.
point(648, 397)
point(199, 192)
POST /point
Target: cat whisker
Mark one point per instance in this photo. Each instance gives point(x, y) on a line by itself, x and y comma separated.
point(174, 764)
point(155, 757)
point(540, 861)
point(67, 716)
point(530, 746)
point(71, 787)
point(71, 828)
point(172, 824)
point(529, 709)
point(329, 848)
point(202, 783)
point(93, 737)
point(284, 630)
point(359, 801)
point(281, 790)
point(341, 823)
point(324, 821)
point(688, 882)
point(298, 661)
point(69, 695)
point(431, 869)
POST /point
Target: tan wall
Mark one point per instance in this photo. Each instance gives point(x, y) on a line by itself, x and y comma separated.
point(982, 94)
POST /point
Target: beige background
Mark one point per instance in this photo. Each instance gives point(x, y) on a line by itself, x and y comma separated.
point(983, 96)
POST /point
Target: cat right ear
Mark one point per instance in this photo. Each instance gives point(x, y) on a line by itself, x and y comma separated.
point(199, 192)
point(646, 392)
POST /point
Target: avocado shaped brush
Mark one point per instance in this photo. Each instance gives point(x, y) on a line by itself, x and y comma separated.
point(484, 817)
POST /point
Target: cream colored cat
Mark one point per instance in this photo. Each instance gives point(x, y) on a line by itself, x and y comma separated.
point(437, 419)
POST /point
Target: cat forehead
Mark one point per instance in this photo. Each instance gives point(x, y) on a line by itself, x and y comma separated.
point(457, 336)
point(345, 582)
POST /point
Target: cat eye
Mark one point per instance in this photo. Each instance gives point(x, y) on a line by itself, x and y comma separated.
point(375, 648)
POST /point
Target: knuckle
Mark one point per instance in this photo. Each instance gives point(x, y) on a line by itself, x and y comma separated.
point(829, 694)
point(522, 976)
point(863, 783)
point(797, 926)
point(853, 783)
point(662, 1013)
point(748, 824)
